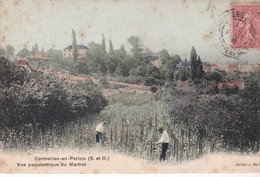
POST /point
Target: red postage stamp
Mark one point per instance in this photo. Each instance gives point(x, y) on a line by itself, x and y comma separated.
point(245, 26)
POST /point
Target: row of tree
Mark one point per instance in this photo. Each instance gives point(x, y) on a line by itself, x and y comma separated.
point(135, 68)
point(9, 52)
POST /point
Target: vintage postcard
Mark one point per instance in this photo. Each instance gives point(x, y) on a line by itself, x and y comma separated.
point(130, 86)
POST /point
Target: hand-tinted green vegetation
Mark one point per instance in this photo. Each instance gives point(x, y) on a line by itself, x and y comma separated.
point(42, 112)
point(32, 98)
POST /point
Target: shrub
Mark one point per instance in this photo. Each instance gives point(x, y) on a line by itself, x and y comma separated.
point(11, 74)
point(35, 98)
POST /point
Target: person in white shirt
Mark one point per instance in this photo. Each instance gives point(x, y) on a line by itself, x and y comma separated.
point(164, 140)
point(100, 132)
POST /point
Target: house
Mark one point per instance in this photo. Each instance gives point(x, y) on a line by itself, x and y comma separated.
point(22, 62)
point(41, 55)
point(68, 52)
point(211, 68)
point(214, 66)
point(233, 68)
point(246, 68)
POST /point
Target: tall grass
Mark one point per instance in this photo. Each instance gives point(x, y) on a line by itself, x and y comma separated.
point(73, 136)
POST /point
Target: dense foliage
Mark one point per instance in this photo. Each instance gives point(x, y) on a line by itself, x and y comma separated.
point(37, 99)
point(220, 120)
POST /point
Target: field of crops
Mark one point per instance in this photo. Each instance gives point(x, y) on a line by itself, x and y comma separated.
point(133, 120)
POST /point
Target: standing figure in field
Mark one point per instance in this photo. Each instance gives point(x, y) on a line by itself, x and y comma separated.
point(164, 140)
point(100, 133)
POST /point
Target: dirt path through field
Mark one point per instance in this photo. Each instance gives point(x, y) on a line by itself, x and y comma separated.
point(113, 162)
point(106, 92)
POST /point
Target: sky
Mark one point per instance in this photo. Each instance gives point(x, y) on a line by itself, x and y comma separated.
point(174, 25)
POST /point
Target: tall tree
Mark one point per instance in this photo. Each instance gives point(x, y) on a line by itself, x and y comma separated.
point(200, 71)
point(10, 50)
point(120, 53)
point(94, 56)
point(164, 56)
point(112, 64)
point(196, 65)
point(35, 49)
point(111, 49)
point(168, 66)
point(103, 44)
point(136, 49)
point(74, 46)
point(193, 63)
point(42, 51)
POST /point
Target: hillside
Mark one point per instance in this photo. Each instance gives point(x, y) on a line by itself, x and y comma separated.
point(106, 92)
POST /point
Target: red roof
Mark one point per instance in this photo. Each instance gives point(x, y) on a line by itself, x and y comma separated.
point(214, 65)
point(237, 83)
point(22, 61)
point(233, 66)
point(41, 55)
